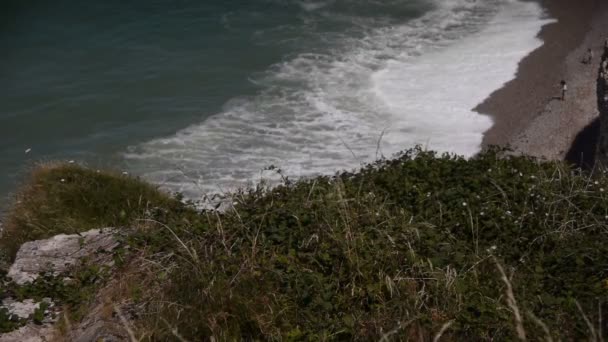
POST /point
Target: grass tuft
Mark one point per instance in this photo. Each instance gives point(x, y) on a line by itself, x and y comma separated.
point(63, 198)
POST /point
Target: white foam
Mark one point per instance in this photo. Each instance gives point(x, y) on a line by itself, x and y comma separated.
point(432, 96)
point(324, 112)
point(312, 5)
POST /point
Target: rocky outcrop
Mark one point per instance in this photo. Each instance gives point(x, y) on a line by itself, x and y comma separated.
point(59, 253)
point(30, 333)
point(57, 257)
point(102, 322)
point(26, 308)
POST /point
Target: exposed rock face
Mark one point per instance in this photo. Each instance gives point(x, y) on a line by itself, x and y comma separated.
point(57, 254)
point(98, 325)
point(30, 333)
point(23, 309)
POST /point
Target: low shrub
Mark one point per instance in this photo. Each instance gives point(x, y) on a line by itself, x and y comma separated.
point(488, 248)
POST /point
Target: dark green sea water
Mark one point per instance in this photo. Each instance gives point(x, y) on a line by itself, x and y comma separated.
point(201, 95)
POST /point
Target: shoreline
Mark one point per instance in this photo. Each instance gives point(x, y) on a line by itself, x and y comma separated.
point(527, 116)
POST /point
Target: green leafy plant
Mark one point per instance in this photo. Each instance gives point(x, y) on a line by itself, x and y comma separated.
point(409, 248)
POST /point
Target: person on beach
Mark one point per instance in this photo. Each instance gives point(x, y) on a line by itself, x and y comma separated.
point(564, 89)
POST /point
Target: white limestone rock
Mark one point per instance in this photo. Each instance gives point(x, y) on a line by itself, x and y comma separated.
point(30, 333)
point(57, 254)
point(21, 309)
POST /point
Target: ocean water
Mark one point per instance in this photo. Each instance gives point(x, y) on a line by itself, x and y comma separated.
point(202, 96)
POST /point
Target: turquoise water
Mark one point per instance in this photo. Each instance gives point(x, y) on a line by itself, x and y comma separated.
point(201, 95)
point(84, 80)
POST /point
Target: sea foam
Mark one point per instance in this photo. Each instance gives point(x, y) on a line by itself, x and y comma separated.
point(320, 112)
point(432, 96)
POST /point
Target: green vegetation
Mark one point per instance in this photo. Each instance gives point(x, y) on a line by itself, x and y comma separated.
point(489, 248)
point(66, 198)
point(8, 322)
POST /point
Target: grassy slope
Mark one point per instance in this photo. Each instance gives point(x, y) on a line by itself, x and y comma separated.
point(401, 249)
point(66, 198)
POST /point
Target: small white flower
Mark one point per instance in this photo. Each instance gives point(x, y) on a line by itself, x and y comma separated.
point(533, 177)
point(97, 171)
point(428, 194)
point(481, 213)
point(508, 212)
point(62, 180)
point(521, 174)
point(601, 189)
point(489, 170)
point(493, 248)
point(531, 213)
point(28, 150)
point(124, 173)
point(547, 214)
point(464, 204)
point(596, 182)
point(71, 162)
point(606, 217)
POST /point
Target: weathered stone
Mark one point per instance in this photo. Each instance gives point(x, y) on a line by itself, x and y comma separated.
point(21, 309)
point(30, 333)
point(99, 330)
point(57, 254)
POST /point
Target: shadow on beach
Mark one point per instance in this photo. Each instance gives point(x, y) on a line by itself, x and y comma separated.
point(583, 149)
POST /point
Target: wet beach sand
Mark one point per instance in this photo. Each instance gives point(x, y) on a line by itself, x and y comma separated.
point(527, 112)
